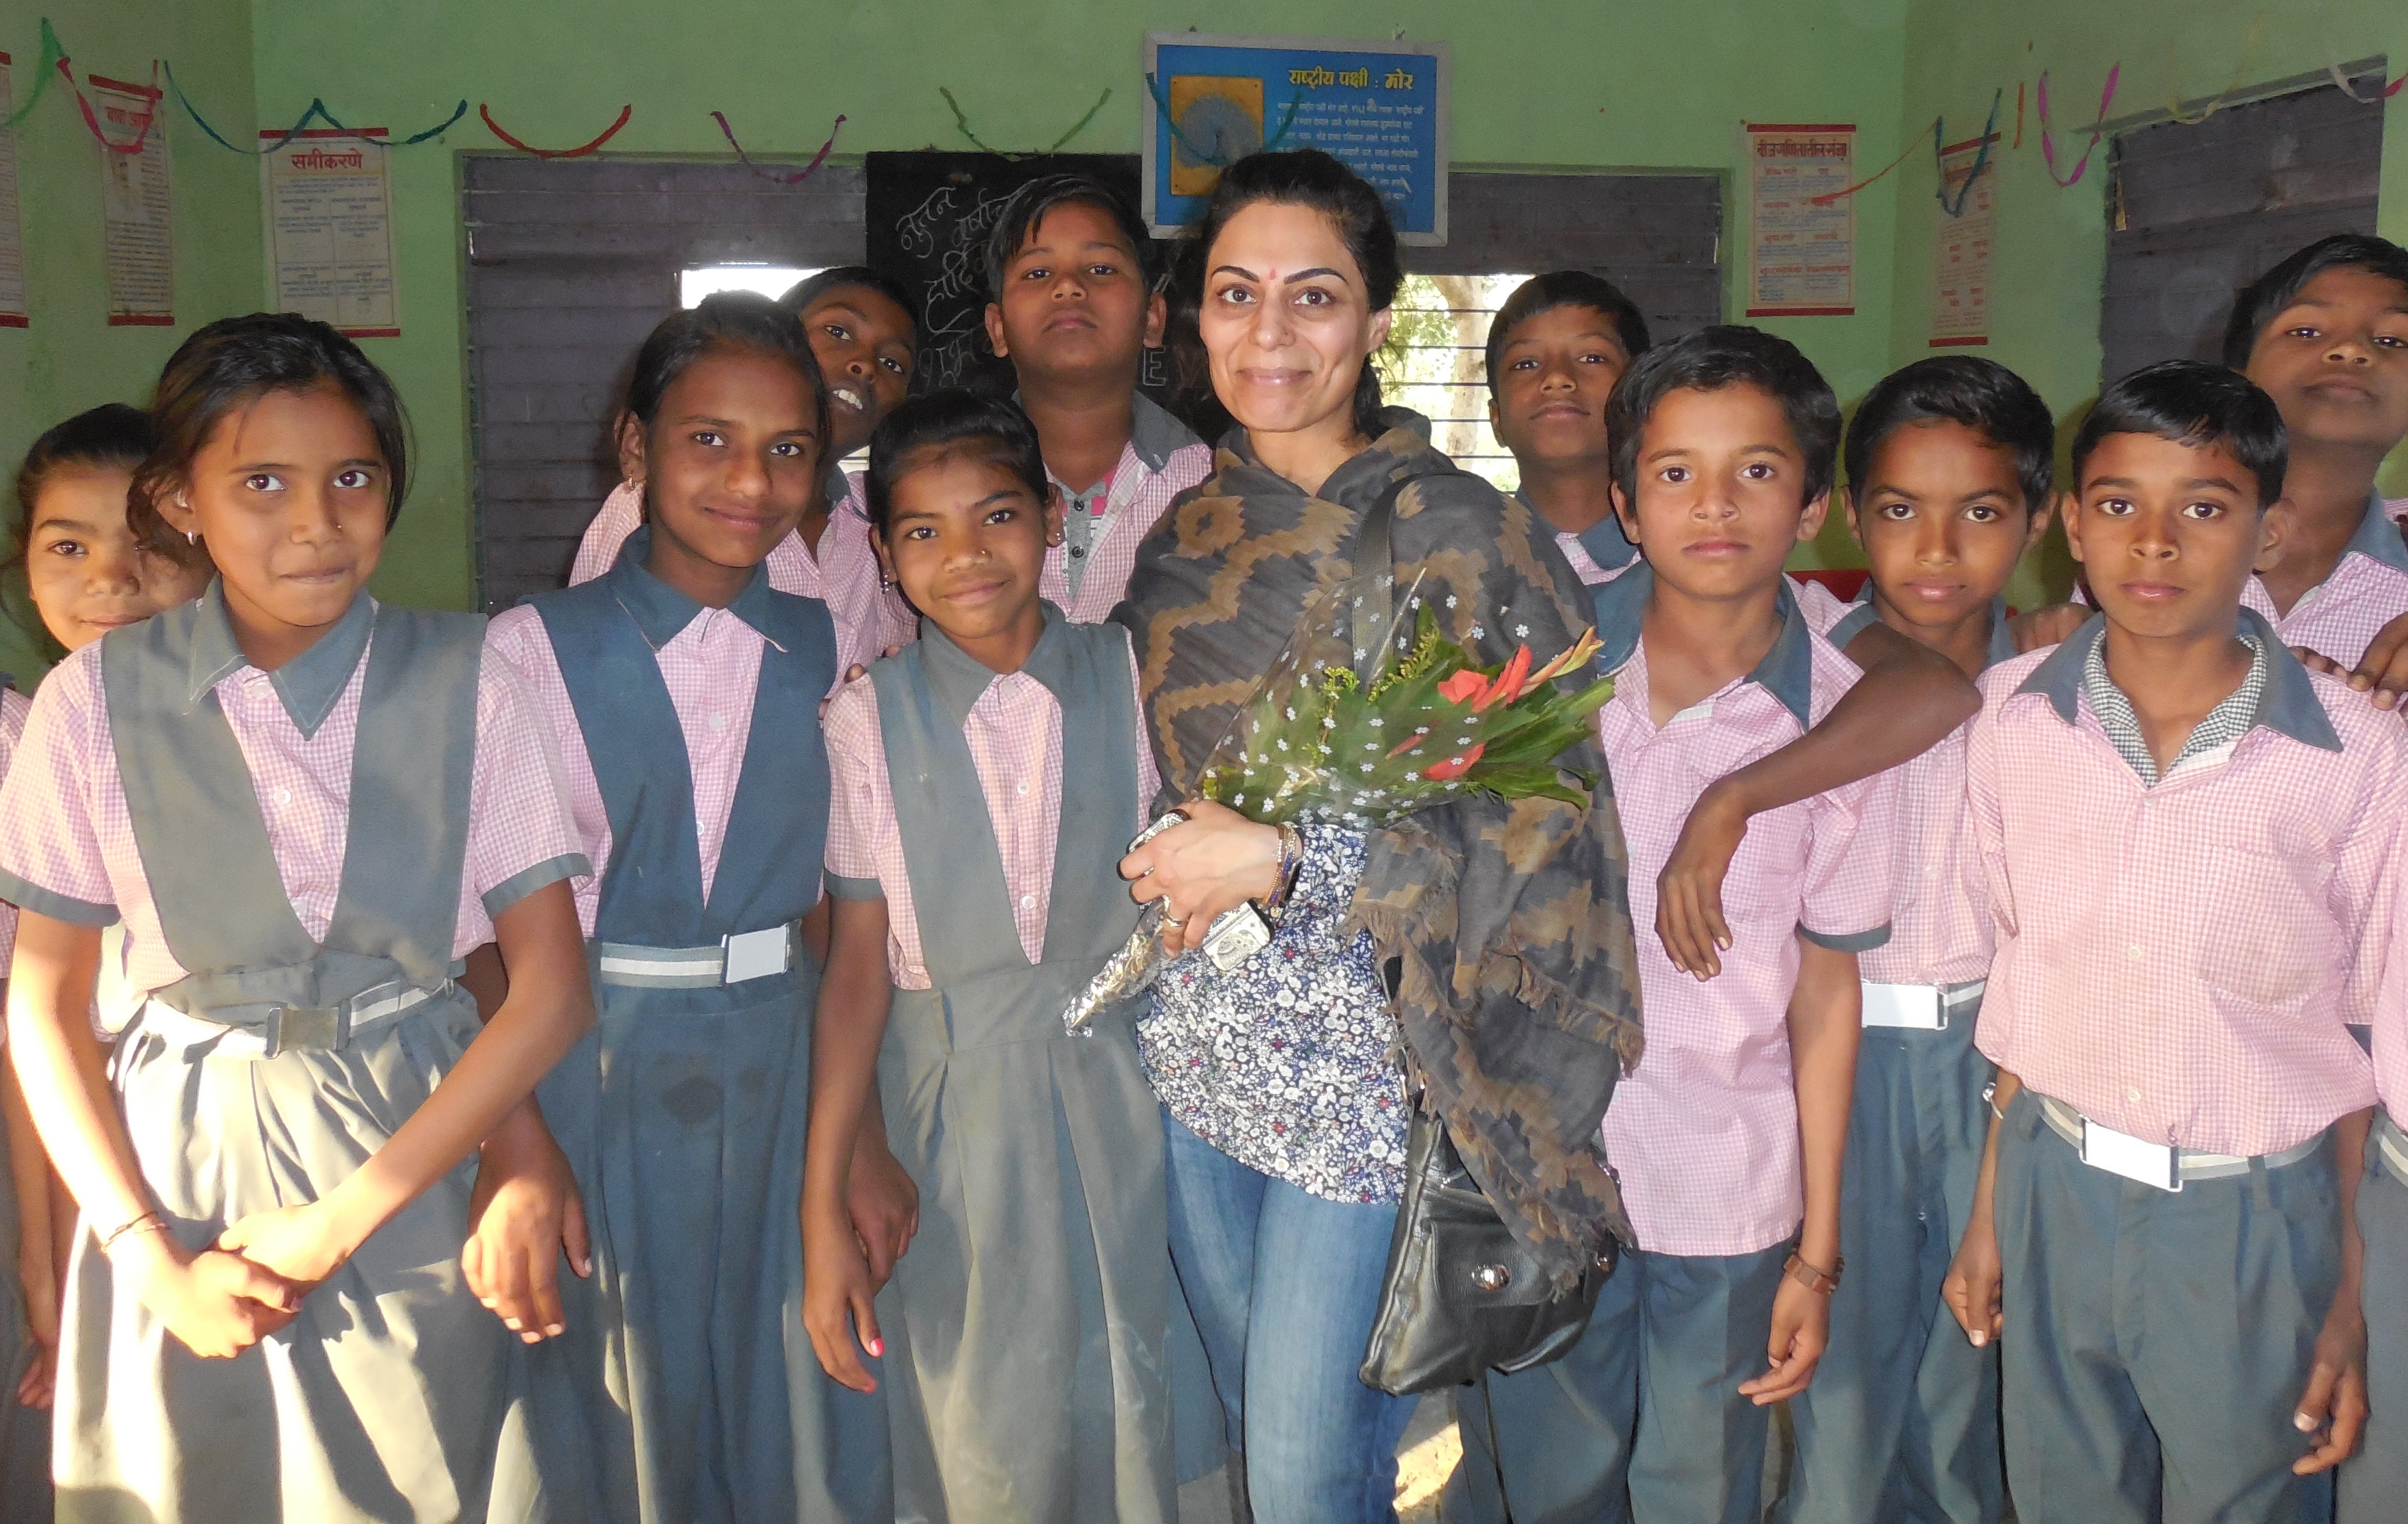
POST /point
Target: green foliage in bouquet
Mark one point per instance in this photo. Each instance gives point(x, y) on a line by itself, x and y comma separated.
point(1324, 749)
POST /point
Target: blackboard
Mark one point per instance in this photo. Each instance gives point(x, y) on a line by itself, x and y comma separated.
point(929, 214)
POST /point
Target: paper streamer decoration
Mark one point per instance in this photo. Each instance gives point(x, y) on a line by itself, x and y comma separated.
point(582, 151)
point(963, 124)
point(2048, 145)
point(2174, 101)
point(798, 175)
point(2340, 82)
point(1206, 154)
point(52, 53)
point(316, 112)
point(150, 114)
point(1980, 160)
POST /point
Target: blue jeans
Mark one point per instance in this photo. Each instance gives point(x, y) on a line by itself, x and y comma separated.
point(1283, 1285)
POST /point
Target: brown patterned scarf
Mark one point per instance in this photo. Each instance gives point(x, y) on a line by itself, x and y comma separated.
point(1510, 922)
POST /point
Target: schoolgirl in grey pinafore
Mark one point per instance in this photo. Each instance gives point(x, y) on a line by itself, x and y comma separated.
point(273, 1072)
point(1026, 1324)
point(684, 1389)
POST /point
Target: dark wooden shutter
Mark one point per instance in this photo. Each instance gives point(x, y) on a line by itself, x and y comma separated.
point(570, 265)
point(2197, 211)
point(1656, 236)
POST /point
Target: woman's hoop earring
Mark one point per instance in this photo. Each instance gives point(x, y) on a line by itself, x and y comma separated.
point(192, 537)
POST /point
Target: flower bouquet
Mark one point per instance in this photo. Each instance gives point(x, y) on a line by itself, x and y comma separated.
point(1318, 744)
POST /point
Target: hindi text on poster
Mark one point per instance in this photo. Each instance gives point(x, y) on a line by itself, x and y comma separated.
point(329, 203)
point(12, 237)
point(1960, 246)
point(1379, 107)
point(1802, 252)
point(137, 206)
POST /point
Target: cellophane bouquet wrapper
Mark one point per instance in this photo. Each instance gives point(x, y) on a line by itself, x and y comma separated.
point(1317, 744)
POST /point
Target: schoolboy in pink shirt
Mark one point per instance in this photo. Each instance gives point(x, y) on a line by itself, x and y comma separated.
point(1727, 1135)
point(1555, 349)
point(2325, 334)
point(1075, 308)
point(2185, 837)
point(1949, 468)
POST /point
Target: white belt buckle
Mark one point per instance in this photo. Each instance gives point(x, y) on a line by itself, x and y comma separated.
point(2120, 1152)
point(756, 955)
point(1914, 1007)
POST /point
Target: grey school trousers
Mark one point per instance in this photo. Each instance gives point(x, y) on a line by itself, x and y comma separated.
point(2374, 1482)
point(1642, 1422)
point(2157, 1341)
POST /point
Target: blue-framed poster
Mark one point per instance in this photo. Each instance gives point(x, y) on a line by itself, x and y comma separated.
point(1377, 106)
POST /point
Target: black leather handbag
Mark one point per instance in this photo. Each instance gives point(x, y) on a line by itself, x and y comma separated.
point(1460, 1296)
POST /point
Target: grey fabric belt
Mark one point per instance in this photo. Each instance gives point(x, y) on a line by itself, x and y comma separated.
point(2189, 1163)
point(2390, 1146)
point(289, 1027)
point(745, 955)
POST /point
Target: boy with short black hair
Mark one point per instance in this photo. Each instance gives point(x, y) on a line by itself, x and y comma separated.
point(2325, 334)
point(2185, 838)
point(1727, 1135)
point(1074, 310)
point(1557, 346)
point(1949, 464)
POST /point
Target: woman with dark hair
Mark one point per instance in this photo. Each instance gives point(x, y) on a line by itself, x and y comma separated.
point(1511, 969)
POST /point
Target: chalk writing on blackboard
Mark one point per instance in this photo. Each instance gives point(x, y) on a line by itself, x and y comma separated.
point(930, 214)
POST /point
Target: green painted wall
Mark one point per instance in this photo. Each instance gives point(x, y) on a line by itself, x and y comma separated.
point(1564, 83)
point(70, 359)
point(1616, 85)
point(2051, 247)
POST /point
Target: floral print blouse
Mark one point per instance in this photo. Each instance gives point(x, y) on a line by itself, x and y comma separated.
point(1286, 1062)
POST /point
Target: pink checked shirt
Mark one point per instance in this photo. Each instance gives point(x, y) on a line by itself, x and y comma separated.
point(1600, 555)
point(869, 619)
point(1940, 923)
point(1014, 733)
point(2368, 589)
point(1704, 1130)
point(710, 668)
point(14, 706)
point(67, 836)
point(2176, 962)
point(1161, 460)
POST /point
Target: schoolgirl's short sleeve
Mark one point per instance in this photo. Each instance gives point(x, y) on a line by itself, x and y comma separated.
point(861, 808)
point(51, 859)
point(518, 833)
point(14, 706)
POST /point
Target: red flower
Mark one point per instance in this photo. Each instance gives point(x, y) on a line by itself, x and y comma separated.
point(1453, 767)
point(1464, 686)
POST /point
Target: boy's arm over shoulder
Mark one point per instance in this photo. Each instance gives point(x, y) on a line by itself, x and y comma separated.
point(1849, 869)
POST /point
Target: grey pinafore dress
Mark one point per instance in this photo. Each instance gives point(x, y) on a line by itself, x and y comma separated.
point(1027, 1324)
point(24, 1433)
point(684, 1387)
point(392, 1395)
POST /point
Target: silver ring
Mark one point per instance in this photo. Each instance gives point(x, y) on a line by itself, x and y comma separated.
point(1173, 923)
